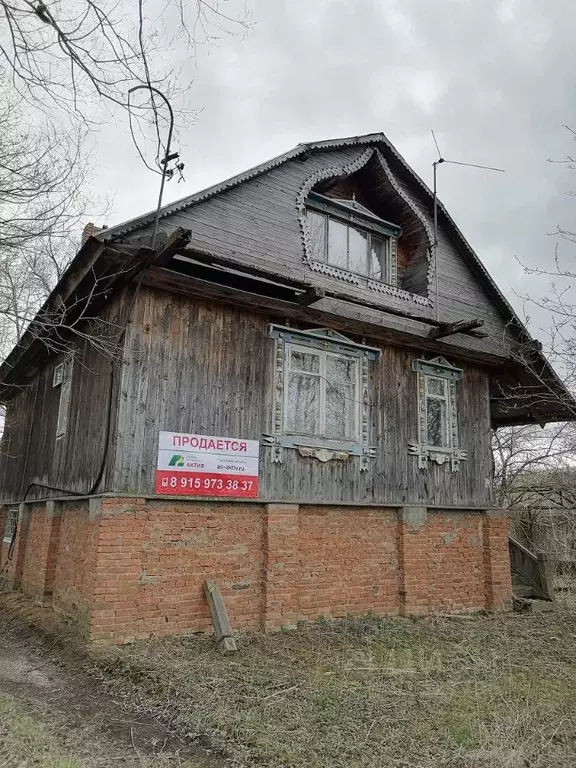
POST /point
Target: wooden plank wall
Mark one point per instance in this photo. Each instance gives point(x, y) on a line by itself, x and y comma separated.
point(72, 461)
point(257, 224)
point(201, 367)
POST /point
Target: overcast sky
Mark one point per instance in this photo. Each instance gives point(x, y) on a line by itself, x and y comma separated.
point(494, 79)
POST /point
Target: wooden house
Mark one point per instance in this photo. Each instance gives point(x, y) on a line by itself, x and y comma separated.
point(292, 394)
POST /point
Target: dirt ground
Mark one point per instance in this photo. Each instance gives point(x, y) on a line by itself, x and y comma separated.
point(54, 711)
point(480, 691)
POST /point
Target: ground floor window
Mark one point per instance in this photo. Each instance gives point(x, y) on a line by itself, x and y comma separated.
point(438, 439)
point(11, 524)
point(320, 395)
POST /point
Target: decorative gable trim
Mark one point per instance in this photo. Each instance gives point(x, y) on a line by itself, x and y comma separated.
point(341, 274)
point(322, 174)
point(407, 199)
point(431, 299)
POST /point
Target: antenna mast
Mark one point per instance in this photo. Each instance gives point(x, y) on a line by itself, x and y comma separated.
point(435, 165)
point(168, 156)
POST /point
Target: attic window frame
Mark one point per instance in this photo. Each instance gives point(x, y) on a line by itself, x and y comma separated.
point(355, 218)
point(368, 225)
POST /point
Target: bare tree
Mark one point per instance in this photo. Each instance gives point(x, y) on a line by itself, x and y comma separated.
point(67, 56)
point(527, 451)
point(66, 52)
point(75, 62)
point(535, 469)
point(42, 176)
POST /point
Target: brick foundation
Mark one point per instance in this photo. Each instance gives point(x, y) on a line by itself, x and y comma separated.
point(130, 568)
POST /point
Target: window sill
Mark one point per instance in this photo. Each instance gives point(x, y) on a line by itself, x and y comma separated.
point(318, 448)
point(426, 453)
point(300, 441)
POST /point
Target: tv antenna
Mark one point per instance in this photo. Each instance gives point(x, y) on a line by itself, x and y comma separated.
point(165, 172)
point(435, 165)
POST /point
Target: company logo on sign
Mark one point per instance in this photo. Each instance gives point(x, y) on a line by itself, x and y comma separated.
point(176, 461)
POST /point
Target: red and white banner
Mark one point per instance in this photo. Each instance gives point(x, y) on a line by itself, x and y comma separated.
point(202, 465)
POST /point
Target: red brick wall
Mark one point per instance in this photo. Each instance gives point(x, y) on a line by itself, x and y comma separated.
point(153, 559)
point(349, 561)
point(35, 560)
point(132, 567)
point(53, 549)
point(75, 560)
point(496, 567)
point(456, 561)
point(3, 546)
point(10, 568)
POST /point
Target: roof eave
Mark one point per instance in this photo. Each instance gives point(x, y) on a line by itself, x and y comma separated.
point(84, 259)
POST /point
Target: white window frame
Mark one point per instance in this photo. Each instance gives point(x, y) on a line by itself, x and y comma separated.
point(387, 272)
point(389, 242)
point(450, 452)
point(11, 525)
point(447, 426)
point(322, 354)
point(324, 449)
point(62, 378)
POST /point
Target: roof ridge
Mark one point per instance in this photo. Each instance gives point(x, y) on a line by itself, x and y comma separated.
point(299, 149)
point(239, 178)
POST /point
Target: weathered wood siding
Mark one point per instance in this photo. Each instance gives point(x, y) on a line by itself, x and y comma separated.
point(257, 224)
point(202, 367)
point(194, 366)
point(30, 452)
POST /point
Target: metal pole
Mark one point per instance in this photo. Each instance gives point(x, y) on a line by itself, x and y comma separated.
point(164, 162)
point(435, 243)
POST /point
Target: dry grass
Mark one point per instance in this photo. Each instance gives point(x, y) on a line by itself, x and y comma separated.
point(60, 713)
point(478, 692)
point(24, 741)
point(481, 692)
point(565, 591)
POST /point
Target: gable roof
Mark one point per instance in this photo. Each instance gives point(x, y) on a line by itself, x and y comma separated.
point(560, 405)
point(205, 194)
point(138, 222)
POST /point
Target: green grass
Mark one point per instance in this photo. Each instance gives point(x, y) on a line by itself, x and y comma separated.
point(24, 741)
point(479, 693)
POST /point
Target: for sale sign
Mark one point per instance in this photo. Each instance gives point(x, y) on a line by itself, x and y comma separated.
point(201, 465)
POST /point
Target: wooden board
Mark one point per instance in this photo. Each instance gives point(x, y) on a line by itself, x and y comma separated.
point(222, 627)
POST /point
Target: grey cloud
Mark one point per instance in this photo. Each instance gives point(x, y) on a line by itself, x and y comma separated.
point(494, 79)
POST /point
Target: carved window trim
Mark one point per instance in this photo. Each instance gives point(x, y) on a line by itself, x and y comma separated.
point(316, 447)
point(10, 525)
point(451, 454)
point(62, 378)
point(347, 169)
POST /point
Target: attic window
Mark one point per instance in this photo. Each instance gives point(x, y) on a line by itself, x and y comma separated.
point(348, 237)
